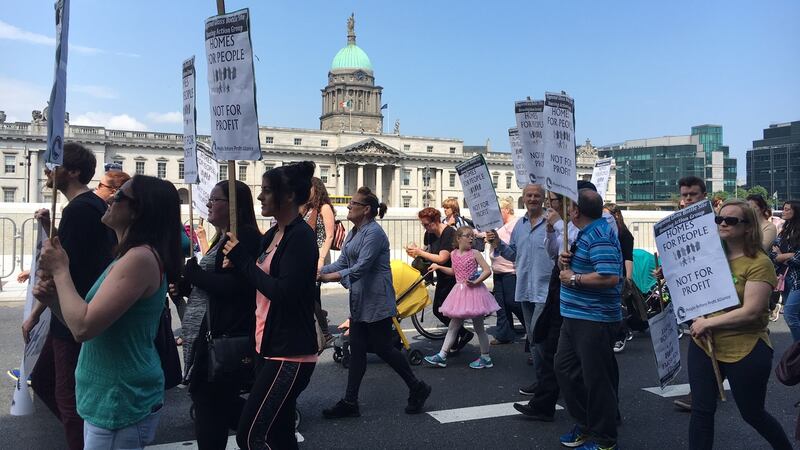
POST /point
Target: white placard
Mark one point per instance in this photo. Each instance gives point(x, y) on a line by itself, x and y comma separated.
point(208, 177)
point(695, 266)
point(479, 193)
point(189, 123)
point(56, 106)
point(664, 334)
point(232, 87)
point(559, 145)
point(601, 174)
point(530, 123)
point(31, 350)
point(517, 158)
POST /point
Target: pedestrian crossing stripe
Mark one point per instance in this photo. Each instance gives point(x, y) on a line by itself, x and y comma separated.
point(677, 390)
point(476, 412)
point(192, 445)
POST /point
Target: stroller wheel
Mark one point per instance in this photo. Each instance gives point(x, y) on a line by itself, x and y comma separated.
point(337, 354)
point(415, 357)
point(297, 419)
point(191, 412)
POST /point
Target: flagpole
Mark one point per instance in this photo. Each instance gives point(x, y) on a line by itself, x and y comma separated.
point(53, 202)
point(231, 165)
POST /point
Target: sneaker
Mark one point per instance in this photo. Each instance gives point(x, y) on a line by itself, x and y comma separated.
point(528, 411)
point(499, 342)
point(436, 360)
point(342, 408)
point(629, 336)
point(528, 390)
point(574, 438)
point(462, 341)
point(684, 403)
point(482, 363)
point(417, 396)
point(619, 346)
point(593, 446)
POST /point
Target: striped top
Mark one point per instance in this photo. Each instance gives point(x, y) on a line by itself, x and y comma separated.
point(596, 249)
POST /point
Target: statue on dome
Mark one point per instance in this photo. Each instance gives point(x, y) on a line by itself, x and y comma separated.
point(351, 24)
point(397, 126)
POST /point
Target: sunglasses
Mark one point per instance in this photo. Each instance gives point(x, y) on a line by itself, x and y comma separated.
point(729, 220)
point(120, 196)
point(353, 202)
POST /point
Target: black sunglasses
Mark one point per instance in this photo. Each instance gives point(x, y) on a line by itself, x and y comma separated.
point(729, 220)
point(120, 196)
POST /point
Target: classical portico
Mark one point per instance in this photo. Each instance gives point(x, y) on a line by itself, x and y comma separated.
point(370, 163)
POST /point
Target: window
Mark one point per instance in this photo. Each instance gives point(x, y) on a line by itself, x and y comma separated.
point(181, 171)
point(139, 167)
point(269, 166)
point(406, 177)
point(162, 169)
point(223, 172)
point(119, 161)
point(323, 143)
point(452, 150)
point(452, 179)
point(429, 149)
point(323, 174)
point(406, 147)
point(298, 141)
point(494, 179)
point(11, 164)
point(508, 181)
point(406, 202)
point(268, 140)
point(243, 172)
point(426, 177)
point(8, 194)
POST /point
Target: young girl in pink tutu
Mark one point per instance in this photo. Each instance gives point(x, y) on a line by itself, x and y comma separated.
point(469, 298)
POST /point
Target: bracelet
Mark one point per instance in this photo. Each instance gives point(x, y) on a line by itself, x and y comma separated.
point(578, 280)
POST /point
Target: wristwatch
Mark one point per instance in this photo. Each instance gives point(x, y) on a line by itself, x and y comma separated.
point(573, 280)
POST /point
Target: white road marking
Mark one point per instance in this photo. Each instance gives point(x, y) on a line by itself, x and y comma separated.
point(192, 445)
point(476, 412)
point(677, 390)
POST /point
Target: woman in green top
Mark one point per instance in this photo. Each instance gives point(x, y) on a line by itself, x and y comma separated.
point(119, 383)
point(739, 334)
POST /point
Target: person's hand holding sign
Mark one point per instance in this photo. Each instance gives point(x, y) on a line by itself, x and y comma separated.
point(701, 328)
point(492, 239)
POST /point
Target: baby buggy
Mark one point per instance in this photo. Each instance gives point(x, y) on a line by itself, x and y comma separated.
point(412, 298)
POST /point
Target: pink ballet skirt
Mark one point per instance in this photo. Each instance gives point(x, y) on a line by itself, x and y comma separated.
point(465, 301)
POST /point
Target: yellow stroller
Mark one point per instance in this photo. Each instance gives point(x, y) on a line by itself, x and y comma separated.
point(412, 297)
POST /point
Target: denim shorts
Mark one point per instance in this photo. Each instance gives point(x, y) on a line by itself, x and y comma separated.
point(135, 436)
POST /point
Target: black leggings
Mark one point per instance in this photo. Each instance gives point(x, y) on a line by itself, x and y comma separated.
point(268, 416)
point(378, 335)
point(748, 379)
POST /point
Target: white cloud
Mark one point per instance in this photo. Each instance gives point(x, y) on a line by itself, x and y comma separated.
point(101, 92)
point(10, 32)
point(108, 120)
point(18, 98)
point(174, 117)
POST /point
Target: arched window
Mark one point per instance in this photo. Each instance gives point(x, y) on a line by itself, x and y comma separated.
point(520, 203)
point(184, 196)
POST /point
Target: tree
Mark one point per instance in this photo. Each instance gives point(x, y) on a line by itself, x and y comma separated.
point(759, 190)
point(722, 195)
point(741, 193)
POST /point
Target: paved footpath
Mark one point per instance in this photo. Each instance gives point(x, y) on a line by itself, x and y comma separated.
point(468, 408)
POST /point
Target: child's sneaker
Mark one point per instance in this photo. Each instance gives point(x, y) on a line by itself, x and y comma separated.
point(593, 446)
point(436, 360)
point(574, 438)
point(482, 362)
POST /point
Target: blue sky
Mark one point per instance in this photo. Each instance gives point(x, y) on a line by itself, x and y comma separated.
point(449, 69)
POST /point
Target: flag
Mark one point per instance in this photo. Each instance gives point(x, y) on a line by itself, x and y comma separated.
point(385, 106)
point(53, 155)
point(347, 104)
point(775, 195)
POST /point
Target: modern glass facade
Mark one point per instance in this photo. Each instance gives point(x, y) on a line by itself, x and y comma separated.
point(774, 161)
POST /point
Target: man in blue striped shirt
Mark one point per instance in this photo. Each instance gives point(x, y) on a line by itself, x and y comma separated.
point(591, 286)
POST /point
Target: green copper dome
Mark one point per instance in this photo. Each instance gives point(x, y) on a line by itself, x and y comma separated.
point(351, 57)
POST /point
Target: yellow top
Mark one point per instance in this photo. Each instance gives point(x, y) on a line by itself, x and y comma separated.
point(733, 345)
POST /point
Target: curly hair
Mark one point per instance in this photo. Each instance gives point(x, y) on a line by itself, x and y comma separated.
point(432, 214)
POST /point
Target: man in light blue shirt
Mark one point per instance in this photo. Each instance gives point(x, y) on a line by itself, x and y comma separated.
point(527, 250)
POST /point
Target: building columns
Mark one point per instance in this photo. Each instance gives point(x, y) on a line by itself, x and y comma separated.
point(33, 182)
point(360, 176)
point(340, 179)
point(439, 198)
point(396, 182)
point(379, 182)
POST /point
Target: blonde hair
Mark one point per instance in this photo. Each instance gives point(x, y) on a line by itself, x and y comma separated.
point(507, 205)
point(452, 203)
point(752, 236)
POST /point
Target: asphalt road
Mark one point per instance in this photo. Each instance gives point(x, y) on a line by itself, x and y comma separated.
point(649, 421)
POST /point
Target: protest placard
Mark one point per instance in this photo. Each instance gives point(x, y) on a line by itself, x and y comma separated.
point(601, 175)
point(208, 176)
point(664, 334)
point(232, 87)
point(530, 123)
point(517, 158)
point(695, 266)
point(479, 193)
point(559, 145)
point(56, 106)
point(189, 123)
point(22, 404)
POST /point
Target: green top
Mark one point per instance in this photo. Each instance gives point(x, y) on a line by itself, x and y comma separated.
point(119, 377)
point(351, 57)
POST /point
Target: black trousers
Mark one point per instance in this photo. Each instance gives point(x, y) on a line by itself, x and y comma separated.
point(378, 335)
point(217, 408)
point(748, 379)
point(267, 420)
point(546, 393)
point(587, 373)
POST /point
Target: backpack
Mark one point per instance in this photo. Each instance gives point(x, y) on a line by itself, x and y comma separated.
point(339, 233)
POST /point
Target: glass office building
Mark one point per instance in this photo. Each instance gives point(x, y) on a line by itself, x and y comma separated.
point(774, 161)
